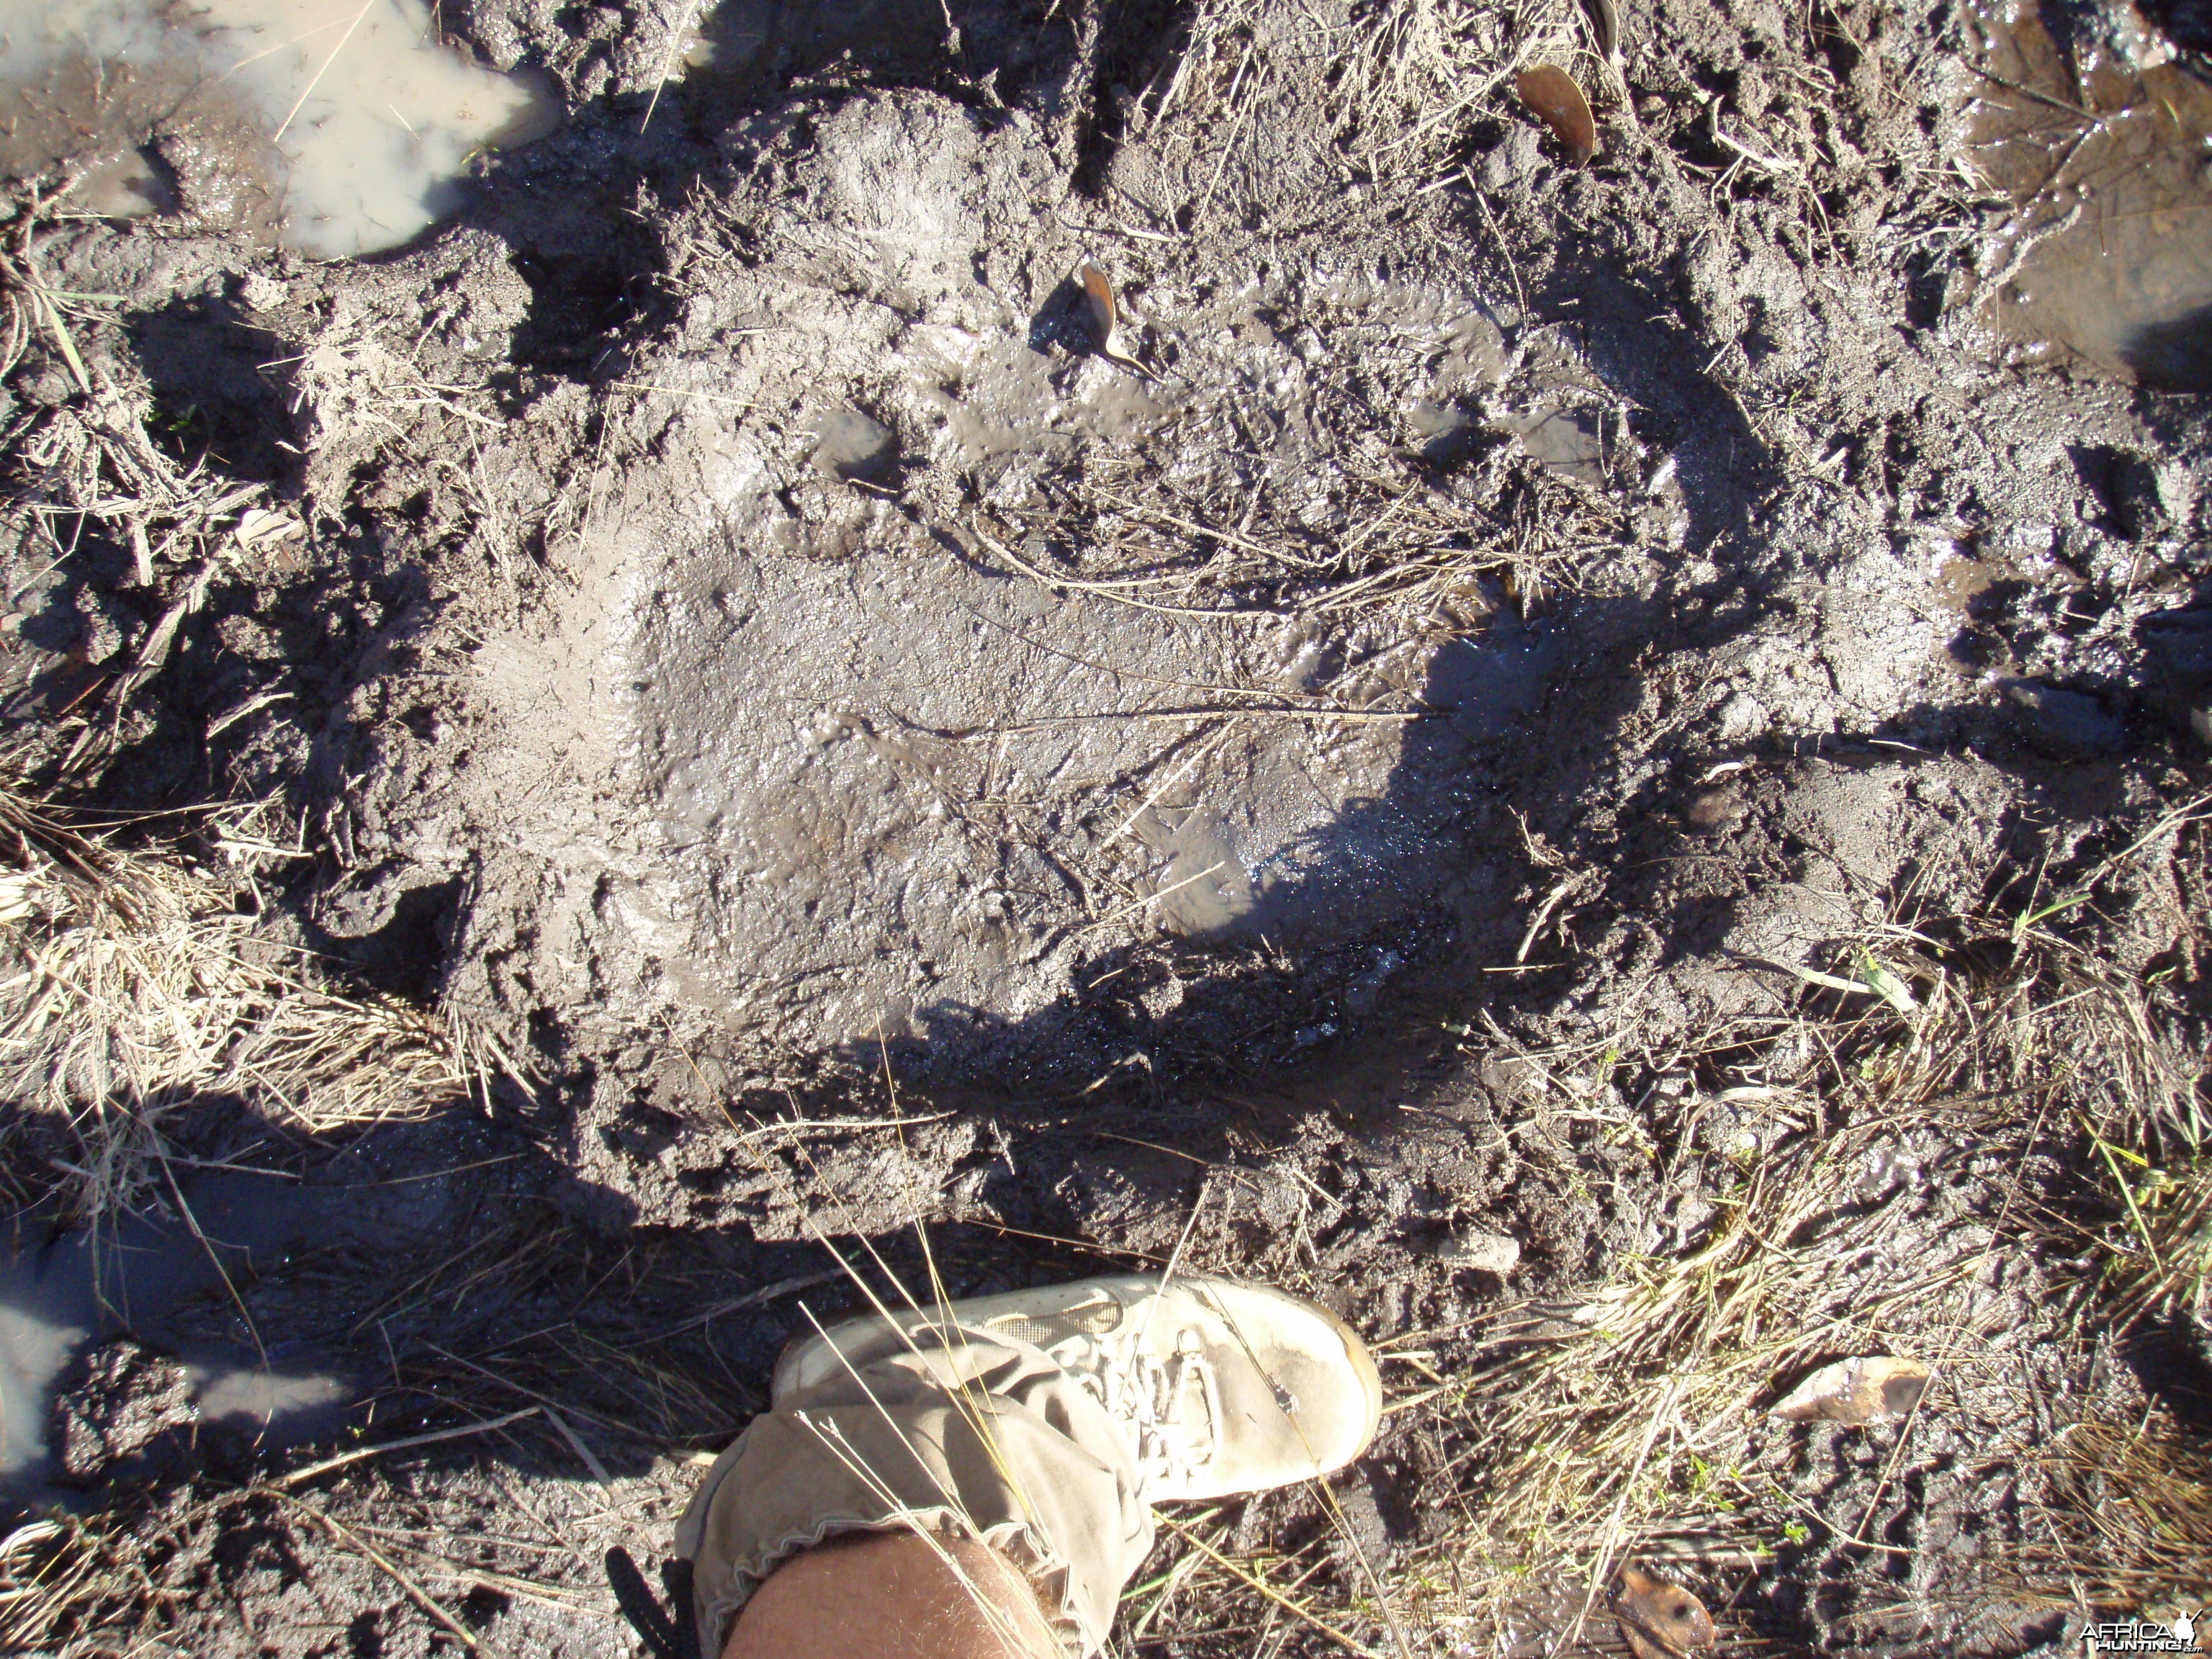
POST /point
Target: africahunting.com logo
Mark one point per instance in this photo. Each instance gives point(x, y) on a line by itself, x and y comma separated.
point(2144, 1635)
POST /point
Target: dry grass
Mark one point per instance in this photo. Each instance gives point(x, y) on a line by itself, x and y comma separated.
point(1417, 72)
point(136, 986)
point(135, 983)
point(1129, 531)
point(86, 473)
point(72, 1585)
point(1628, 1421)
point(2127, 1518)
point(35, 306)
point(1644, 1434)
point(363, 392)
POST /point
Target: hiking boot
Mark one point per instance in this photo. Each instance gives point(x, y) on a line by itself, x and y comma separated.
point(1219, 1388)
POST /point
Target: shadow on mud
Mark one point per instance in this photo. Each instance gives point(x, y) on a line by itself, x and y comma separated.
point(2174, 355)
point(421, 1269)
point(460, 1265)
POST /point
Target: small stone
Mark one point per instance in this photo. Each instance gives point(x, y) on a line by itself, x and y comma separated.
point(1488, 1253)
point(262, 292)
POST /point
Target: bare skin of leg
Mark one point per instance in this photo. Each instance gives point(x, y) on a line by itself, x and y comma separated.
point(892, 1595)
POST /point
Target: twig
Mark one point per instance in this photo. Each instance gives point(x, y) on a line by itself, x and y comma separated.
point(308, 91)
point(769, 1292)
point(1544, 912)
point(154, 650)
point(1602, 1563)
point(237, 1301)
point(416, 1593)
point(1172, 779)
point(1903, 1435)
point(683, 391)
point(1229, 144)
point(668, 62)
point(1105, 590)
point(431, 1440)
point(782, 1124)
point(490, 1376)
point(575, 1443)
point(1227, 538)
point(1138, 906)
point(1520, 294)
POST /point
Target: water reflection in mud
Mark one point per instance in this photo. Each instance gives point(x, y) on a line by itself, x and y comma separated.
point(338, 127)
point(166, 1282)
point(2104, 144)
point(1569, 442)
point(60, 1296)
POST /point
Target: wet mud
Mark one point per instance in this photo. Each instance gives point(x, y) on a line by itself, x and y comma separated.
point(67, 1296)
point(2101, 139)
point(229, 114)
point(865, 755)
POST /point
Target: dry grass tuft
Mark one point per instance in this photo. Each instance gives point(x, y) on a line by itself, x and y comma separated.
point(1131, 532)
point(1631, 1422)
point(2127, 1520)
point(363, 394)
point(1996, 1060)
point(135, 986)
point(68, 1585)
point(1418, 71)
point(34, 305)
point(2165, 1268)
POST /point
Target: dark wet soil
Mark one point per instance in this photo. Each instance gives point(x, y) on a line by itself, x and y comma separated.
point(750, 654)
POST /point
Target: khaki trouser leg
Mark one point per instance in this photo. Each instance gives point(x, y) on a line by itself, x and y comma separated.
point(972, 1435)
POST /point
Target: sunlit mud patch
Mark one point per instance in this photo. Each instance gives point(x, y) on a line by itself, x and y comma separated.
point(920, 660)
point(2104, 144)
point(338, 127)
point(890, 791)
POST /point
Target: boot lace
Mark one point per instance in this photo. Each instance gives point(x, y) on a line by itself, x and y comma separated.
point(1169, 1408)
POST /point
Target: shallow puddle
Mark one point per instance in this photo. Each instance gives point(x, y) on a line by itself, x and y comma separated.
point(58, 1298)
point(156, 1279)
point(1570, 442)
point(852, 445)
point(2105, 147)
point(337, 127)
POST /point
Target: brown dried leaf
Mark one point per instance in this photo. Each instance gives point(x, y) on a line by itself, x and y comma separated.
point(1106, 319)
point(1660, 1620)
point(1855, 1391)
point(1605, 27)
point(1551, 92)
point(1105, 316)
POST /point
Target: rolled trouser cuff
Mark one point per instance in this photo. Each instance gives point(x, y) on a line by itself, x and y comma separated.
point(963, 1435)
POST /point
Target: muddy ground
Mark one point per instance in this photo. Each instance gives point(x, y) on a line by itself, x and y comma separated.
point(1363, 789)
